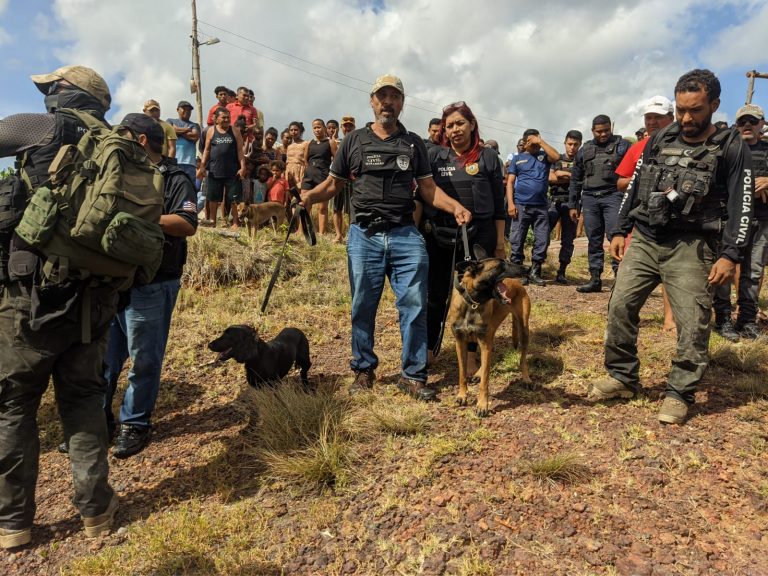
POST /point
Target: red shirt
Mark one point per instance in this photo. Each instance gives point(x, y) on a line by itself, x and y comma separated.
point(251, 114)
point(278, 190)
point(627, 166)
point(213, 109)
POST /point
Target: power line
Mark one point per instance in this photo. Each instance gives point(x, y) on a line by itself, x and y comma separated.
point(431, 112)
point(365, 82)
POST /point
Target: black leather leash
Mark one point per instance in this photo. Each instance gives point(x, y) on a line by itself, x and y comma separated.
point(299, 213)
point(457, 268)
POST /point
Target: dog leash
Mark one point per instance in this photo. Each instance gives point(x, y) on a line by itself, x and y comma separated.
point(299, 213)
point(454, 269)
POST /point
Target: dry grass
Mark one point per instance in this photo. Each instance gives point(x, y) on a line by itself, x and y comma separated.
point(400, 418)
point(749, 357)
point(214, 540)
point(214, 260)
point(563, 468)
point(300, 437)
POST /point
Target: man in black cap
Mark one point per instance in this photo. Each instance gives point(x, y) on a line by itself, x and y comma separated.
point(29, 353)
point(141, 329)
point(188, 133)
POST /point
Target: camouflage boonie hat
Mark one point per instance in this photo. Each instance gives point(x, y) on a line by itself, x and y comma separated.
point(81, 76)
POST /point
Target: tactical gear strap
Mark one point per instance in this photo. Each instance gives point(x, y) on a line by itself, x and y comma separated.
point(85, 317)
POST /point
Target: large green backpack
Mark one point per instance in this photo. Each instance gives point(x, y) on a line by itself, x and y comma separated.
point(100, 214)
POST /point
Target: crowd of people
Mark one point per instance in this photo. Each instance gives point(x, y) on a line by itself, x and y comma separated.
point(690, 195)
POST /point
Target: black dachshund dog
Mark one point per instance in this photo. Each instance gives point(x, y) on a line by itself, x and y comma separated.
point(265, 362)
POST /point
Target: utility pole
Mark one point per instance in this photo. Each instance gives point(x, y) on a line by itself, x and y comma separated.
point(195, 85)
point(752, 74)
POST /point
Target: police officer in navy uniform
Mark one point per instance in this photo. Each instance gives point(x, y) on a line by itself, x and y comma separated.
point(690, 204)
point(559, 180)
point(593, 187)
point(383, 241)
point(41, 331)
point(471, 174)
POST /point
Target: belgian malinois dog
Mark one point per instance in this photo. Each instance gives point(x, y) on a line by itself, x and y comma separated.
point(485, 293)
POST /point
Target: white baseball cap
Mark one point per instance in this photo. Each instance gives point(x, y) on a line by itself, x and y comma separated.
point(659, 105)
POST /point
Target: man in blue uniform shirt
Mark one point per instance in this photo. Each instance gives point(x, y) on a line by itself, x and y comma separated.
point(527, 201)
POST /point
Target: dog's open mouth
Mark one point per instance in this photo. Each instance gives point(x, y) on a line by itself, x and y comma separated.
point(224, 355)
point(503, 293)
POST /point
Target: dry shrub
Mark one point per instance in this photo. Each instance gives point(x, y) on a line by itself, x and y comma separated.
point(748, 357)
point(214, 260)
point(300, 437)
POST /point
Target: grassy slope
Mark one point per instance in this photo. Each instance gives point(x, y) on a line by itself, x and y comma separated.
point(547, 484)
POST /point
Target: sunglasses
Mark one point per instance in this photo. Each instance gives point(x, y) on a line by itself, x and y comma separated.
point(747, 120)
point(453, 106)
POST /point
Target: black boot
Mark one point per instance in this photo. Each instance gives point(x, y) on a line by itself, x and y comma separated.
point(594, 284)
point(534, 276)
point(560, 278)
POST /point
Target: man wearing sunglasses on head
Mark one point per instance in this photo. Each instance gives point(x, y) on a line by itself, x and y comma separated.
point(750, 121)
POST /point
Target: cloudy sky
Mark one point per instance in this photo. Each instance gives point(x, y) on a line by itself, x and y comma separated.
point(550, 64)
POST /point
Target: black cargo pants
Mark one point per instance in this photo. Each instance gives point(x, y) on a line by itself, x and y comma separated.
point(28, 359)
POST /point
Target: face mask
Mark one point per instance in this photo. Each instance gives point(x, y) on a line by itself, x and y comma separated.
point(76, 99)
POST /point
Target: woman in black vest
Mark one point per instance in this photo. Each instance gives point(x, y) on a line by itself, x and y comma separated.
point(318, 154)
point(471, 174)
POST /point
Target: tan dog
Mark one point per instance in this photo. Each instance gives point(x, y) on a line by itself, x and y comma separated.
point(485, 294)
point(257, 214)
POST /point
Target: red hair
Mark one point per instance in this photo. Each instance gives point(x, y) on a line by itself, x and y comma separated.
point(472, 154)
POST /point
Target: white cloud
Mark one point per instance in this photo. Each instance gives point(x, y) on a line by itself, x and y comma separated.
point(744, 45)
point(553, 66)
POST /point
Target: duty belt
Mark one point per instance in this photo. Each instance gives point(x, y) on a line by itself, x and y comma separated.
point(375, 225)
point(599, 194)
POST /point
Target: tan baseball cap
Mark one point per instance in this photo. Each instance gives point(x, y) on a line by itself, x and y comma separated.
point(388, 80)
point(81, 76)
point(750, 110)
point(150, 105)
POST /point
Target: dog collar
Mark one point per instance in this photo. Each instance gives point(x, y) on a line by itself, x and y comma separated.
point(465, 294)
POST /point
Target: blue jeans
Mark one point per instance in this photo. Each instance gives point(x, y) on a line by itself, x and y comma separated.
point(400, 255)
point(141, 332)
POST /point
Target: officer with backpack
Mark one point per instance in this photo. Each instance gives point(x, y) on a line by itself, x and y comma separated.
point(49, 328)
point(141, 328)
point(690, 204)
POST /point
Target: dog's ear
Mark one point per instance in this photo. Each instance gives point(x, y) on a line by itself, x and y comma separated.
point(244, 348)
point(479, 252)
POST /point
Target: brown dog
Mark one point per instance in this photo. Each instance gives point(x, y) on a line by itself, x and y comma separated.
point(257, 214)
point(485, 294)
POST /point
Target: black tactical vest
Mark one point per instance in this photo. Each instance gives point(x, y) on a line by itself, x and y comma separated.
point(557, 192)
point(759, 159)
point(470, 185)
point(600, 163)
point(386, 174)
point(69, 130)
point(678, 183)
